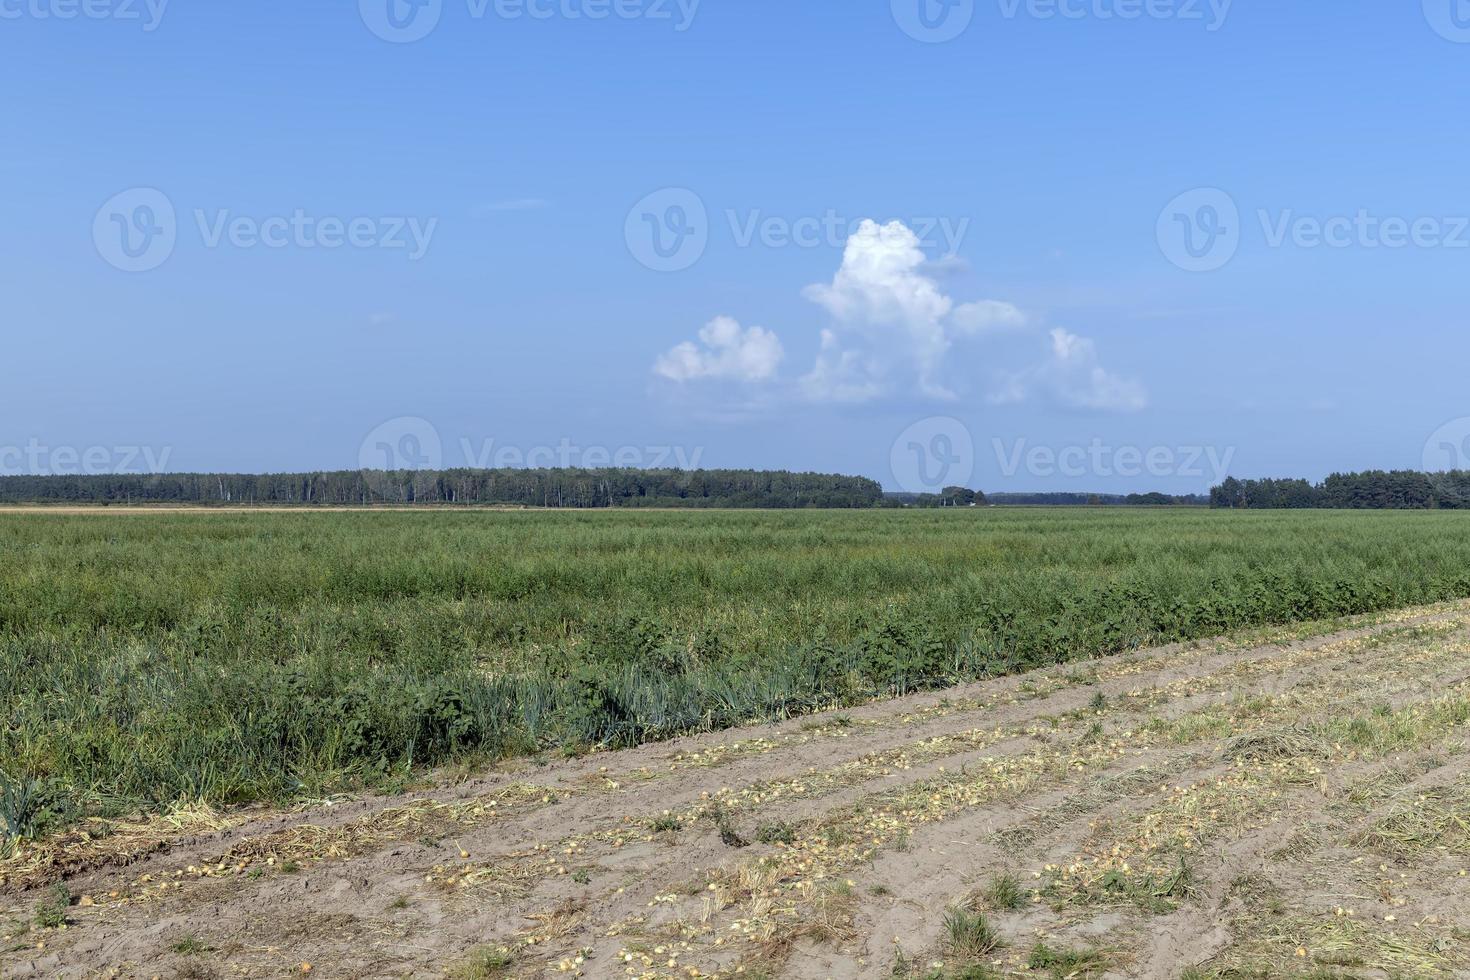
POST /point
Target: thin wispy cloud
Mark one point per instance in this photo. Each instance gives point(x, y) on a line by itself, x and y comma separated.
point(1073, 378)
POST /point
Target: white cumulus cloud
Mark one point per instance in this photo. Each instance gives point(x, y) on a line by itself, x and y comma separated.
point(726, 351)
point(881, 297)
point(894, 333)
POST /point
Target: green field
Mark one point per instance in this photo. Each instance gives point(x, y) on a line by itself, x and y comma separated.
point(146, 659)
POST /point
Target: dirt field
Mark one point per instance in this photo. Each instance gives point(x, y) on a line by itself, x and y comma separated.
point(1265, 806)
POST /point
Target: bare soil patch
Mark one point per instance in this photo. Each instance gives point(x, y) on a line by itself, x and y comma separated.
point(1295, 803)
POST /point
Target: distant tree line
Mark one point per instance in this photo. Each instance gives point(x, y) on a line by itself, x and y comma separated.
point(1097, 500)
point(960, 497)
point(948, 497)
point(1372, 490)
point(531, 488)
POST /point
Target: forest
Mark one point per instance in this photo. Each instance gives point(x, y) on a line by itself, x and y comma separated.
point(673, 488)
point(552, 488)
point(1153, 499)
point(1371, 490)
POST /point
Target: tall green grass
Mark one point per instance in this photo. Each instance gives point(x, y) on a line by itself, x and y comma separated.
point(233, 657)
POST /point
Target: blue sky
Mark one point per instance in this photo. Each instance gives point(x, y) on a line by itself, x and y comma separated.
point(434, 244)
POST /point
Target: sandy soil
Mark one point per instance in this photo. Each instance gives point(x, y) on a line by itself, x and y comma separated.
point(1268, 806)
